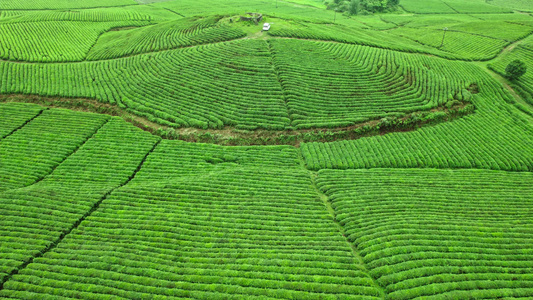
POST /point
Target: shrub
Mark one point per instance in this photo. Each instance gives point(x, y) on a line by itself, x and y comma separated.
point(515, 69)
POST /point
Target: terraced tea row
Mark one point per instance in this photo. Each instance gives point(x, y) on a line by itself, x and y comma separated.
point(163, 36)
point(206, 86)
point(62, 4)
point(467, 37)
point(354, 35)
point(455, 6)
point(43, 144)
point(204, 221)
point(190, 159)
point(438, 234)
point(335, 85)
point(53, 41)
point(514, 4)
point(239, 84)
point(464, 45)
point(36, 217)
point(84, 15)
point(15, 115)
point(524, 53)
point(497, 137)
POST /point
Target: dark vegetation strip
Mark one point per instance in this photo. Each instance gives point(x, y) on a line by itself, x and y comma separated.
point(233, 137)
point(174, 12)
point(455, 10)
point(24, 124)
point(77, 223)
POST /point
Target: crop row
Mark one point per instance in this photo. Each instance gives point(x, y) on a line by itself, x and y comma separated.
point(426, 233)
point(453, 6)
point(34, 217)
point(467, 38)
point(475, 6)
point(496, 137)
point(251, 84)
point(236, 84)
point(14, 115)
point(62, 4)
point(464, 45)
point(233, 234)
point(53, 41)
point(513, 4)
point(226, 84)
point(358, 36)
point(524, 53)
point(511, 29)
point(8, 14)
point(340, 85)
point(163, 36)
point(176, 158)
point(42, 144)
point(85, 15)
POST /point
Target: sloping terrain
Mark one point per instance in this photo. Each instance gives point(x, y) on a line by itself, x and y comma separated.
point(401, 167)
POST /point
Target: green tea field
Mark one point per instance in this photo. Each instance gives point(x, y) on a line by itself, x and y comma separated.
point(351, 149)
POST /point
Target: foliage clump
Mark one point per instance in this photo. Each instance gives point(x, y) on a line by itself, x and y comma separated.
point(354, 7)
point(515, 69)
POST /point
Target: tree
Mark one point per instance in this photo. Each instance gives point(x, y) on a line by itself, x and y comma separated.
point(375, 5)
point(515, 69)
point(353, 8)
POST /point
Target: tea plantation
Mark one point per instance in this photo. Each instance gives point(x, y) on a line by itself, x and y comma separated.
point(173, 149)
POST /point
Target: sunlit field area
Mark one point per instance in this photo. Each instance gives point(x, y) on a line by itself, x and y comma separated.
point(266, 149)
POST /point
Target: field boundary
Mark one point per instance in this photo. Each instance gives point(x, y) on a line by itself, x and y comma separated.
point(78, 222)
point(24, 124)
point(64, 159)
point(230, 136)
point(276, 73)
point(174, 12)
point(331, 211)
